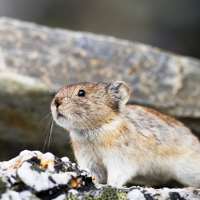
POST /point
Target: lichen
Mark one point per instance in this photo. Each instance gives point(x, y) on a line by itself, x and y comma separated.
point(33, 175)
point(3, 187)
point(106, 193)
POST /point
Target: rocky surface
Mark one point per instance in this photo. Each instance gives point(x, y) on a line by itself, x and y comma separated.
point(36, 61)
point(33, 176)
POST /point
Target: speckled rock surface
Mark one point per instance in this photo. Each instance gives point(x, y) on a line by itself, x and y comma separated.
point(33, 175)
point(56, 56)
point(36, 61)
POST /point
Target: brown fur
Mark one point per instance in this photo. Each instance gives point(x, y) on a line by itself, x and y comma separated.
point(75, 145)
point(125, 144)
point(157, 114)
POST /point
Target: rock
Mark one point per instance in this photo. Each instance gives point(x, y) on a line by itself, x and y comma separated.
point(33, 175)
point(36, 61)
point(38, 173)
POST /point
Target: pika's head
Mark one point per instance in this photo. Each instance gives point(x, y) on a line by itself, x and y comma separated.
point(89, 105)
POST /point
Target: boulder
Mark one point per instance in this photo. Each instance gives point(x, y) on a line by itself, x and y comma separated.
point(36, 61)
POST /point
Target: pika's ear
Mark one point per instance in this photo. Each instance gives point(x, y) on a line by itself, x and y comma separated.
point(119, 91)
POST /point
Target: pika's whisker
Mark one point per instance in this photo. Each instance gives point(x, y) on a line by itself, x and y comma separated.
point(48, 136)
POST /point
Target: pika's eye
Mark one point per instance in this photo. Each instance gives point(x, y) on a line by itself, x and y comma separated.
point(81, 93)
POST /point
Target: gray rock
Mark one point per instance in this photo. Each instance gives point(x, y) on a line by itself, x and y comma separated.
point(36, 61)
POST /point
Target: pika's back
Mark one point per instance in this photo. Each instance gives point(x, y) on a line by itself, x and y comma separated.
point(162, 128)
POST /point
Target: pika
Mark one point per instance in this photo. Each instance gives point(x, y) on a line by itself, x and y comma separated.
point(122, 143)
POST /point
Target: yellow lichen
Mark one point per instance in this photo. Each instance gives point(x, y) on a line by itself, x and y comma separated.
point(75, 182)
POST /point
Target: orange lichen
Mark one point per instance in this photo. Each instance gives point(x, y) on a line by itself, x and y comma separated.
point(75, 182)
point(15, 165)
point(18, 163)
point(45, 160)
point(44, 163)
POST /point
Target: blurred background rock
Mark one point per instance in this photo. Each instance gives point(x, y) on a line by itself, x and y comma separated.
point(170, 25)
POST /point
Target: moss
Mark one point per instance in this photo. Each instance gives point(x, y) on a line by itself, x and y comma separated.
point(35, 165)
point(3, 187)
point(33, 197)
point(111, 193)
point(107, 193)
point(10, 85)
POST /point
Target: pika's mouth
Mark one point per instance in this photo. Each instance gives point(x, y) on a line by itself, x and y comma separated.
point(58, 115)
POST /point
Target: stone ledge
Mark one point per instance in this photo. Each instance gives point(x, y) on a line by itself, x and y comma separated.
point(56, 57)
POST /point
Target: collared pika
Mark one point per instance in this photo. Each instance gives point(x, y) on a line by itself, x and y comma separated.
point(122, 143)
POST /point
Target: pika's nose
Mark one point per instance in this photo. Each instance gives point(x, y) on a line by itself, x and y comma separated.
point(57, 101)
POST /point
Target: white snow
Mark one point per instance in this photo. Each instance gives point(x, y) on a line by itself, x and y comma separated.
point(62, 178)
point(65, 159)
point(41, 180)
point(25, 194)
point(11, 195)
point(37, 180)
point(73, 191)
point(135, 194)
point(31, 153)
point(47, 156)
point(51, 167)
